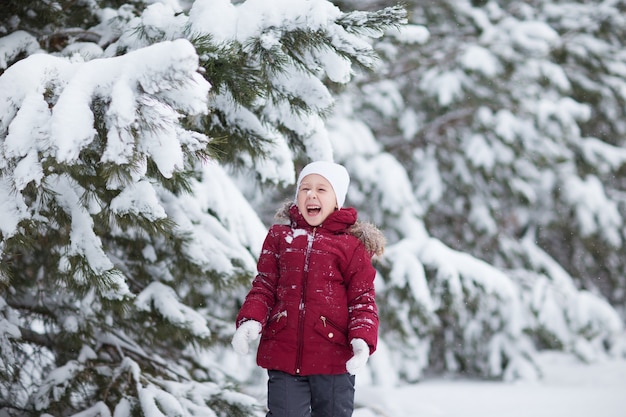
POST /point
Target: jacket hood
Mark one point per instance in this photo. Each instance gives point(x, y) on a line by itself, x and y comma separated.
point(371, 237)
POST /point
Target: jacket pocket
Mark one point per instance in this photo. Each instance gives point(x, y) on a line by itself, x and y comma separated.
point(331, 331)
point(275, 324)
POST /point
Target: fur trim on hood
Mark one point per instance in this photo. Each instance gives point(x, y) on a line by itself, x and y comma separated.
point(366, 232)
point(371, 236)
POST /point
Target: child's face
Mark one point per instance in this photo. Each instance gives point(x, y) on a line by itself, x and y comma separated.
point(316, 199)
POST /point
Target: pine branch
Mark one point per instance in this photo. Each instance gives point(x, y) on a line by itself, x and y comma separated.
point(374, 23)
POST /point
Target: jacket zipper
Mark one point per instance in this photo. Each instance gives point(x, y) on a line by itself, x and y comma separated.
point(326, 320)
point(278, 316)
point(301, 307)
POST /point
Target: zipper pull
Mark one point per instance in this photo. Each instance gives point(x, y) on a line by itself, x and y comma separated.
point(324, 320)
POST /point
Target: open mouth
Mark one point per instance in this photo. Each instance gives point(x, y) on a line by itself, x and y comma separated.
point(313, 210)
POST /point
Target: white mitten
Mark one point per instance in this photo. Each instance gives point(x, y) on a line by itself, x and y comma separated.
point(245, 333)
point(361, 354)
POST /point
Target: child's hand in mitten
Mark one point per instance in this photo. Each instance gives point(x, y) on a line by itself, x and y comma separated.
point(246, 332)
point(361, 355)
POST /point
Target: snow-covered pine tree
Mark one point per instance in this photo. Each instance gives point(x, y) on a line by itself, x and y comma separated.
point(123, 237)
point(506, 120)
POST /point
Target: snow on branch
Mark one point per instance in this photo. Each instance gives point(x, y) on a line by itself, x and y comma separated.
point(15, 44)
point(149, 86)
point(465, 303)
point(51, 137)
point(99, 409)
point(158, 403)
point(577, 321)
point(57, 384)
point(163, 299)
point(84, 241)
point(595, 212)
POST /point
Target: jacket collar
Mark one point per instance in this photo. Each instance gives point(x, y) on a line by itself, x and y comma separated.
point(338, 221)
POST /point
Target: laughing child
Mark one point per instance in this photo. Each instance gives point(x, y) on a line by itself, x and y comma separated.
point(313, 300)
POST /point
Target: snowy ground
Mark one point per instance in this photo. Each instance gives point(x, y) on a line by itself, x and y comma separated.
point(568, 388)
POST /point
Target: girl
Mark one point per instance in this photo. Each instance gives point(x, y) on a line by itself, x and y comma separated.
point(313, 300)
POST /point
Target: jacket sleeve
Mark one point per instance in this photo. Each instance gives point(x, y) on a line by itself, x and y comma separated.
point(362, 309)
point(262, 296)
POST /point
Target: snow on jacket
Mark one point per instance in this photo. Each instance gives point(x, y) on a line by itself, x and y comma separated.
point(314, 293)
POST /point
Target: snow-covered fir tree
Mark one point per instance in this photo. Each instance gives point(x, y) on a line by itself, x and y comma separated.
point(124, 241)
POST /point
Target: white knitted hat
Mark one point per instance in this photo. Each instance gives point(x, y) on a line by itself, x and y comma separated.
point(337, 175)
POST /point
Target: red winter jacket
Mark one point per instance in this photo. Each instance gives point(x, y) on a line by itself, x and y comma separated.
point(313, 294)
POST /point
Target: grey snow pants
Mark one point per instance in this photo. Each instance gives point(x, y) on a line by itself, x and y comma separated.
point(310, 396)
